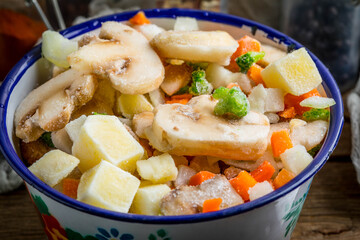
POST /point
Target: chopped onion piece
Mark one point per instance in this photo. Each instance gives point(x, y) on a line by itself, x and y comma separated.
point(56, 48)
point(185, 24)
point(317, 102)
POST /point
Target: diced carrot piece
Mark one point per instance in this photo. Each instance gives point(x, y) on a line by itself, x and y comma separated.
point(231, 85)
point(182, 96)
point(294, 101)
point(280, 141)
point(254, 73)
point(242, 183)
point(263, 172)
point(139, 19)
point(211, 205)
point(182, 99)
point(283, 177)
point(246, 44)
point(288, 113)
point(70, 187)
point(200, 177)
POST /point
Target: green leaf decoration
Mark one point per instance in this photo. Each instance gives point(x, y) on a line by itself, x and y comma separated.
point(73, 235)
point(40, 204)
point(90, 238)
point(152, 237)
point(161, 233)
point(294, 214)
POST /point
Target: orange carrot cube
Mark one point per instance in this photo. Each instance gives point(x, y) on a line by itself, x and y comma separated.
point(139, 19)
point(246, 44)
point(283, 177)
point(280, 141)
point(263, 172)
point(200, 177)
point(294, 101)
point(211, 205)
point(70, 186)
point(288, 113)
point(242, 183)
point(254, 73)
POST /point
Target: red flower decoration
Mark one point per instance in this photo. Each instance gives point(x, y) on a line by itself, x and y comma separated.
point(53, 229)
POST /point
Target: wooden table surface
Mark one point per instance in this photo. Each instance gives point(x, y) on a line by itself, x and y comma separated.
point(331, 210)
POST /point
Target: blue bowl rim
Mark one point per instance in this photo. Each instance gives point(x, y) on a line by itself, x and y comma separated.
point(330, 86)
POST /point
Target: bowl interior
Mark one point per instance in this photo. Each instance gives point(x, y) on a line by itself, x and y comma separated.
point(33, 70)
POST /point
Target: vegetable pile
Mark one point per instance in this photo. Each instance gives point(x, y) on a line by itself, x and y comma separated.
point(171, 122)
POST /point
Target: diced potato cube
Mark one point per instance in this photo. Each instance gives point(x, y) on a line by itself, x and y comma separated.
point(158, 169)
point(296, 159)
point(296, 73)
point(219, 76)
point(104, 137)
point(186, 24)
point(259, 190)
point(257, 99)
point(107, 186)
point(54, 166)
point(274, 100)
point(157, 97)
point(73, 127)
point(147, 199)
point(132, 104)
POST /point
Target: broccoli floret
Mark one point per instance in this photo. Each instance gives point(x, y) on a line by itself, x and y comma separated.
point(246, 60)
point(183, 90)
point(314, 150)
point(46, 138)
point(199, 84)
point(316, 114)
point(96, 113)
point(199, 65)
point(232, 103)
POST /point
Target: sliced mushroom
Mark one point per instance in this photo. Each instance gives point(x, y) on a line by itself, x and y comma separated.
point(189, 199)
point(196, 46)
point(309, 135)
point(121, 58)
point(102, 101)
point(194, 130)
point(49, 106)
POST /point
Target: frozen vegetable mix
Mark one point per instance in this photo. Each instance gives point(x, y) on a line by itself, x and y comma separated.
point(146, 120)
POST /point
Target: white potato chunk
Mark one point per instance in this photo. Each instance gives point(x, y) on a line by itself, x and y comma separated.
point(296, 159)
point(259, 190)
point(54, 166)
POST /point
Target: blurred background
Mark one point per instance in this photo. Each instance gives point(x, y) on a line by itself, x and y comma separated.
point(329, 28)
